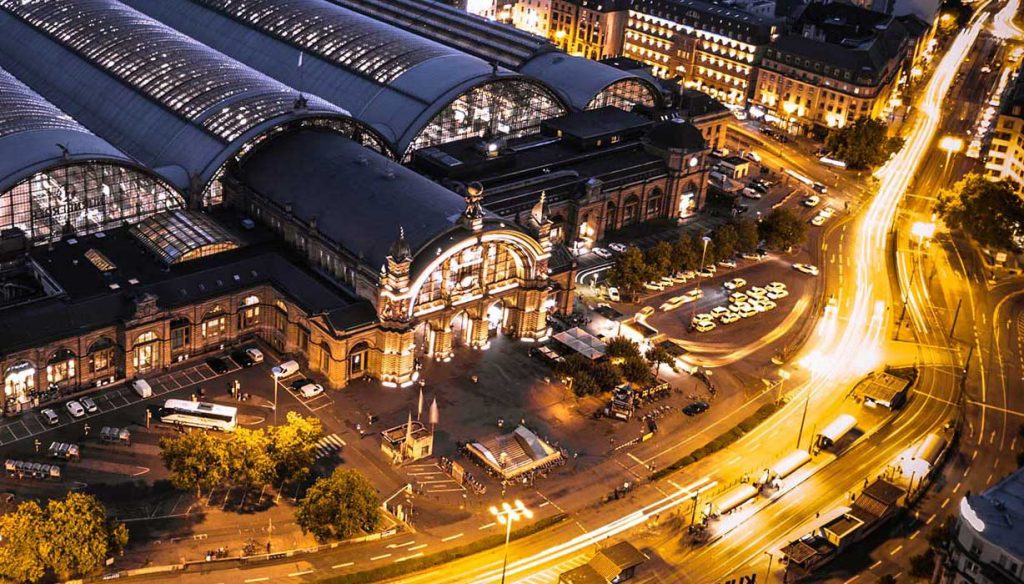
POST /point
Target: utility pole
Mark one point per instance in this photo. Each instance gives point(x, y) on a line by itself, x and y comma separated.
point(803, 418)
point(956, 315)
point(967, 361)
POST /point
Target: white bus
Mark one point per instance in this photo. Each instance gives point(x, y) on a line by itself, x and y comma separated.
point(199, 415)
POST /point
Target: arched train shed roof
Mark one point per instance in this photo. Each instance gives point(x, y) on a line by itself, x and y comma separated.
point(578, 81)
point(168, 101)
point(33, 132)
point(387, 77)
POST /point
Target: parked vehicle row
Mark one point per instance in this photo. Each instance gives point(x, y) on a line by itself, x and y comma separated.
point(742, 304)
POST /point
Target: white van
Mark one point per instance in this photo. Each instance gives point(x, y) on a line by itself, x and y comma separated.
point(286, 369)
point(141, 387)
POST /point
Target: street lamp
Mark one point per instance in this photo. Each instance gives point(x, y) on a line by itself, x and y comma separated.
point(703, 255)
point(783, 376)
point(277, 382)
point(950, 145)
point(506, 516)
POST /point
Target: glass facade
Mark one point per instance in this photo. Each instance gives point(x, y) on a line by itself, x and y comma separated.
point(83, 198)
point(470, 273)
point(509, 108)
point(624, 95)
point(179, 236)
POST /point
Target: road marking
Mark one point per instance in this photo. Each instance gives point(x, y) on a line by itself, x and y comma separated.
point(251, 580)
point(915, 534)
point(339, 566)
point(417, 547)
point(957, 487)
point(875, 565)
point(966, 470)
point(488, 526)
point(415, 555)
point(401, 545)
point(930, 519)
point(974, 455)
point(988, 481)
point(852, 579)
point(451, 537)
point(896, 551)
point(544, 504)
point(375, 558)
point(944, 503)
point(297, 574)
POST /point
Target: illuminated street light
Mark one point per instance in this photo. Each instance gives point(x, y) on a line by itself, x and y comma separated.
point(703, 255)
point(950, 145)
point(507, 515)
point(922, 230)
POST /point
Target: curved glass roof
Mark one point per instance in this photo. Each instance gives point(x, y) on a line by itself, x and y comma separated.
point(390, 79)
point(23, 110)
point(344, 38)
point(178, 236)
point(192, 80)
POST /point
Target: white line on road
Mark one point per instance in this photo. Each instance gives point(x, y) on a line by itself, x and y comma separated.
point(957, 487)
point(946, 502)
point(875, 565)
point(251, 580)
point(852, 579)
point(451, 537)
point(488, 526)
point(417, 547)
point(930, 519)
point(340, 566)
point(375, 558)
point(896, 551)
point(415, 555)
point(915, 534)
point(401, 545)
point(302, 573)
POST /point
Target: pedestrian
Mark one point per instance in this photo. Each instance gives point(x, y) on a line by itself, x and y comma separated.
point(268, 547)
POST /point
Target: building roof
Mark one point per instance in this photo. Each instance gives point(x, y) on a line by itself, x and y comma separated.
point(575, 79)
point(163, 98)
point(32, 131)
point(92, 298)
point(622, 556)
point(596, 123)
point(677, 134)
point(723, 20)
point(585, 574)
point(388, 78)
point(357, 198)
point(998, 513)
point(177, 236)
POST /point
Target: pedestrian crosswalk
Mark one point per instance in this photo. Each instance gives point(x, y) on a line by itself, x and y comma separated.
point(328, 445)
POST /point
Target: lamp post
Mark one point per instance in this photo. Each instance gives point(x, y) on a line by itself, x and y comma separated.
point(923, 230)
point(803, 418)
point(783, 376)
point(703, 255)
point(768, 572)
point(277, 382)
point(950, 145)
point(507, 515)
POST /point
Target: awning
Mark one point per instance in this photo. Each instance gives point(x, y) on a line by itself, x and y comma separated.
point(582, 342)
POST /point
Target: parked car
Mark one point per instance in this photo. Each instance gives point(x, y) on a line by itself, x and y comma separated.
point(727, 263)
point(735, 284)
point(728, 318)
point(654, 286)
point(75, 409)
point(750, 255)
point(645, 311)
point(806, 268)
point(219, 365)
point(746, 311)
point(759, 187)
point(706, 272)
point(697, 407)
point(617, 247)
point(811, 201)
point(255, 354)
point(751, 193)
point(775, 286)
point(777, 293)
point(692, 295)
point(673, 303)
point(286, 369)
point(688, 274)
point(756, 292)
point(719, 311)
point(310, 390)
point(741, 209)
point(602, 252)
point(737, 297)
point(820, 188)
point(89, 405)
point(768, 304)
point(50, 416)
point(703, 326)
point(242, 358)
point(613, 294)
point(142, 388)
point(754, 156)
point(819, 220)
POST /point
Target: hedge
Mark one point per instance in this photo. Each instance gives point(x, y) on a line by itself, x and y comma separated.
point(722, 441)
point(424, 562)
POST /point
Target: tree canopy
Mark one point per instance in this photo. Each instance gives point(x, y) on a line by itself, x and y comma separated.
point(70, 537)
point(782, 229)
point(863, 144)
point(630, 271)
point(293, 445)
point(196, 460)
point(339, 506)
point(989, 212)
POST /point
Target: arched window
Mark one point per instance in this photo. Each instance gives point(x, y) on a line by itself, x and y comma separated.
point(19, 381)
point(250, 316)
point(146, 352)
point(610, 217)
point(215, 325)
point(280, 323)
point(357, 358)
point(470, 271)
point(630, 210)
point(181, 337)
point(61, 366)
point(654, 201)
point(101, 356)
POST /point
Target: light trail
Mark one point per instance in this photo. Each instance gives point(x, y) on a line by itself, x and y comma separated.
point(1003, 25)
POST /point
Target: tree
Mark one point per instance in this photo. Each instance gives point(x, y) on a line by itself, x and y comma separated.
point(659, 259)
point(20, 559)
point(71, 537)
point(249, 461)
point(863, 144)
point(293, 446)
point(747, 238)
point(657, 355)
point(782, 229)
point(621, 348)
point(195, 460)
point(605, 375)
point(636, 370)
point(572, 366)
point(630, 271)
point(923, 565)
point(584, 385)
point(725, 239)
point(989, 212)
point(685, 254)
point(339, 506)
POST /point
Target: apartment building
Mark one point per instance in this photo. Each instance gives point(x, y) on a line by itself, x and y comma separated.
point(708, 47)
point(589, 28)
point(1005, 159)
